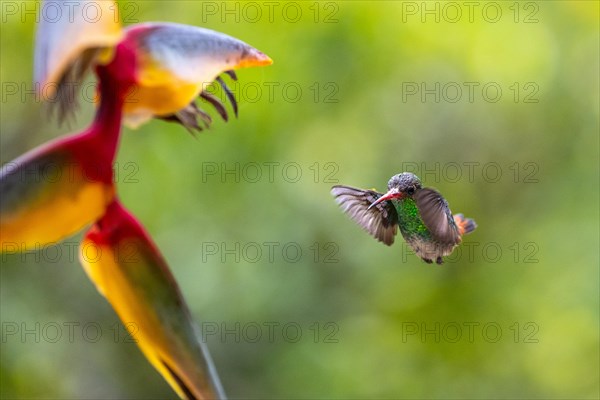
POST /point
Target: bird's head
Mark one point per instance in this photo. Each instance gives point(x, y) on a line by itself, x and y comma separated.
point(404, 184)
point(400, 186)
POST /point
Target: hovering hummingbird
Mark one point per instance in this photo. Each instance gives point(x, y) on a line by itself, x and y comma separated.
point(423, 215)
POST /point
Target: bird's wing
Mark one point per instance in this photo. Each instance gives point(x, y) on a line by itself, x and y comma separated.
point(69, 37)
point(127, 268)
point(381, 221)
point(436, 216)
point(176, 63)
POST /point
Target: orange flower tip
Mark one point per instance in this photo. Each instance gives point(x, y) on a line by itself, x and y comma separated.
point(254, 58)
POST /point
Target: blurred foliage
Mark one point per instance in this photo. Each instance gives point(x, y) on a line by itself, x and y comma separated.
point(369, 53)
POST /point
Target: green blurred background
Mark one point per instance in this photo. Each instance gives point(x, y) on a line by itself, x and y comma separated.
point(516, 317)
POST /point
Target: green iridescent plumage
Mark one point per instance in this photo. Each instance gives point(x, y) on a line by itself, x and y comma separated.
point(409, 219)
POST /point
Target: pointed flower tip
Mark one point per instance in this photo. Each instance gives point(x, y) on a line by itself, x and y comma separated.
point(263, 59)
point(255, 58)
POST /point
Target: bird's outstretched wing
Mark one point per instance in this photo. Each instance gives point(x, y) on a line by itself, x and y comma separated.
point(381, 221)
point(436, 216)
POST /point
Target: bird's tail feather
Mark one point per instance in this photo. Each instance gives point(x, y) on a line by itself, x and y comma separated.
point(465, 225)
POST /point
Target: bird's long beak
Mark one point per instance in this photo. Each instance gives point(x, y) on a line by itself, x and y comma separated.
point(391, 194)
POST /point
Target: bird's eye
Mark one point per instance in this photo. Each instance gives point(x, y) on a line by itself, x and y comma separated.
point(410, 190)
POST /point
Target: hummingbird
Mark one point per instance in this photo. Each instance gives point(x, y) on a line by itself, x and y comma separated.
point(423, 215)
